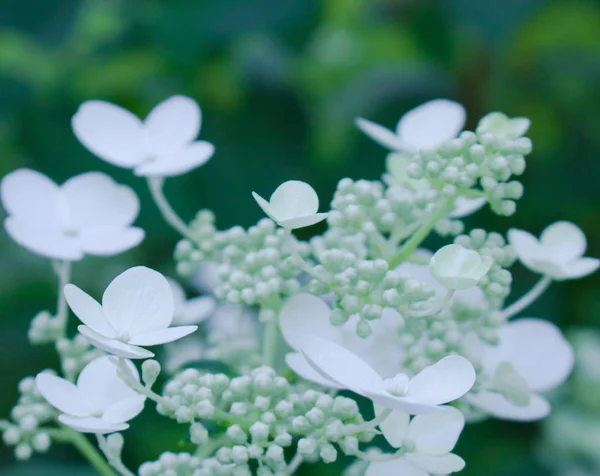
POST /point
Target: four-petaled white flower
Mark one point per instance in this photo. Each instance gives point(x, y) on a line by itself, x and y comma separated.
point(443, 382)
point(294, 204)
point(190, 311)
point(557, 254)
point(163, 145)
point(88, 214)
point(427, 441)
point(99, 403)
point(425, 127)
point(136, 310)
point(501, 125)
point(532, 356)
point(305, 315)
point(457, 267)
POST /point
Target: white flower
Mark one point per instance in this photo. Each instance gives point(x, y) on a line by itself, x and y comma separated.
point(304, 315)
point(99, 403)
point(532, 356)
point(190, 311)
point(557, 254)
point(294, 204)
point(136, 310)
point(428, 441)
point(443, 382)
point(500, 124)
point(425, 127)
point(88, 214)
point(162, 145)
point(457, 267)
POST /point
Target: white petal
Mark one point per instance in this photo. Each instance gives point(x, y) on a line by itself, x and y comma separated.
point(114, 346)
point(394, 427)
point(379, 134)
point(31, 197)
point(294, 199)
point(62, 394)
point(162, 336)
point(110, 241)
point(301, 222)
point(172, 124)
point(579, 268)
point(457, 267)
point(101, 385)
point(538, 351)
point(138, 301)
point(305, 314)
point(110, 132)
point(442, 464)
point(124, 410)
point(442, 382)
point(95, 200)
point(525, 245)
point(43, 241)
point(430, 125)
point(340, 365)
point(266, 206)
point(92, 425)
point(436, 433)
point(188, 158)
point(394, 467)
point(497, 406)
point(464, 206)
point(195, 310)
point(564, 241)
point(401, 404)
point(300, 365)
point(88, 310)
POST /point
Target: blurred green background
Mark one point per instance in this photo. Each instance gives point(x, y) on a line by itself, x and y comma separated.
point(280, 83)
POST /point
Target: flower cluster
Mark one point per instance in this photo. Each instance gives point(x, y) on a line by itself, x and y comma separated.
point(253, 366)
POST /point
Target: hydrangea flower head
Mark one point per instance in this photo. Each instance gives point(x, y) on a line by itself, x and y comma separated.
point(294, 204)
point(162, 145)
point(190, 311)
point(100, 402)
point(88, 214)
point(428, 441)
point(443, 382)
point(136, 311)
point(558, 253)
point(532, 356)
point(457, 267)
point(425, 127)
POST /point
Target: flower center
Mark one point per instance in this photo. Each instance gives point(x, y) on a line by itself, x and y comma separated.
point(70, 232)
point(124, 337)
point(398, 385)
point(97, 413)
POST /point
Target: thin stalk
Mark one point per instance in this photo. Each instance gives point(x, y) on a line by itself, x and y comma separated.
point(295, 463)
point(270, 342)
point(422, 232)
point(114, 460)
point(371, 424)
point(155, 184)
point(88, 450)
point(528, 298)
point(63, 272)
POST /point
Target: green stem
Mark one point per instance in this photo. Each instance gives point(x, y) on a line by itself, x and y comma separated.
point(295, 463)
point(155, 184)
point(417, 238)
point(528, 298)
point(371, 424)
point(63, 272)
point(270, 342)
point(86, 449)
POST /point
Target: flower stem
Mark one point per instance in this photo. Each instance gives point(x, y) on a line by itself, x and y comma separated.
point(270, 342)
point(528, 298)
point(295, 463)
point(422, 232)
point(155, 184)
point(114, 460)
point(84, 446)
point(63, 272)
point(371, 424)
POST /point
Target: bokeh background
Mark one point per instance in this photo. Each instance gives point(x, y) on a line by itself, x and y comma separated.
point(280, 83)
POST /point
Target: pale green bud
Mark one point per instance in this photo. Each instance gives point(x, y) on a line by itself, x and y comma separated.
point(198, 434)
point(328, 453)
point(150, 372)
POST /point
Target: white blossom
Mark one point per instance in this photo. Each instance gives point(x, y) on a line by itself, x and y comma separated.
point(162, 145)
point(190, 311)
point(304, 315)
point(558, 253)
point(425, 127)
point(294, 204)
point(532, 356)
point(100, 402)
point(457, 267)
point(136, 311)
point(443, 382)
point(88, 214)
point(428, 441)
